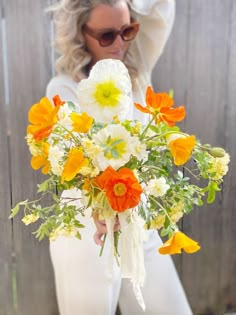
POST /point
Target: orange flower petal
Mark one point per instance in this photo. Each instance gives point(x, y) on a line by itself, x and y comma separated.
point(122, 188)
point(42, 116)
point(178, 242)
point(81, 122)
point(171, 115)
point(181, 149)
point(74, 163)
point(160, 105)
point(142, 108)
point(57, 101)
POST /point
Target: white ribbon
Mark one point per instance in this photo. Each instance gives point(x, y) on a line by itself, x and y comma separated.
point(131, 249)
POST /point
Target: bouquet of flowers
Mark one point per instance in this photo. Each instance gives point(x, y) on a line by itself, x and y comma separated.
point(135, 170)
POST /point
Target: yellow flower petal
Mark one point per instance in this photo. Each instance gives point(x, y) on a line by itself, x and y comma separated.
point(81, 122)
point(178, 242)
point(74, 163)
point(181, 149)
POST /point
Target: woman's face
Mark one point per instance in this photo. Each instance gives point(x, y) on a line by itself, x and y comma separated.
point(104, 17)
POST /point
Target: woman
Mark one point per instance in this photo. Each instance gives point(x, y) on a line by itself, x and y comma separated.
point(88, 31)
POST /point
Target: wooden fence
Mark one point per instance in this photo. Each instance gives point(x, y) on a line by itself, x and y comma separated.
point(200, 65)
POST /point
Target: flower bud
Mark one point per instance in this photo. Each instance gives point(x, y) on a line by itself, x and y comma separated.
point(217, 152)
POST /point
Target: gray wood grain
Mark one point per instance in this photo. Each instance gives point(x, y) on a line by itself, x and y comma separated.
point(199, 65)
point(6, 299)
point(29, 70)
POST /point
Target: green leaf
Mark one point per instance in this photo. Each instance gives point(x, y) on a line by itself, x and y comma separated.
point(212, 188)
point(43, 186)
point(78, 235)
point(165, 232)
point(15, 210)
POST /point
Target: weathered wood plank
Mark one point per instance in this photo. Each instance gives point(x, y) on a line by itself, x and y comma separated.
point(170, 71)
point(29, 71)
point(227, 277)
point(199, 64)
point(6, 299)
point(206, 94)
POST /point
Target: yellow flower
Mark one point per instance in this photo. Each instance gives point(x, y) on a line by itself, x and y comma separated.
point(74, 163)
point(181, 149)
point(81, 122)
point(41, 160)
point(90, 148)
point(30, 218)
point(68, 231)
point(34, 146)
point(176, 212)
point(219, 166)
point(158, 222)
point(178, 242)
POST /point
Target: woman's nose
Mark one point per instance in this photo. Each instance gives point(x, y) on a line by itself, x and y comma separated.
point(118, 42)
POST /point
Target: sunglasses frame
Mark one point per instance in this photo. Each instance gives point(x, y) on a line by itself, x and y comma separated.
point(98, 34)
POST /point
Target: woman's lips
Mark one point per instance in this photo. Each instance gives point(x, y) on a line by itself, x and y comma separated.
point(119, 54)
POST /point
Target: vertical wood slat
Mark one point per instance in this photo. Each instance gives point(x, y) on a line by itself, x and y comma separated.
point(227, 277)
point(206, 94)
point(196, 66)
point(170, 68)
point(29, 70)
point(6, 300)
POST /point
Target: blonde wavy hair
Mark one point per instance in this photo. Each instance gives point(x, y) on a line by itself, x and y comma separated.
point(69, 18)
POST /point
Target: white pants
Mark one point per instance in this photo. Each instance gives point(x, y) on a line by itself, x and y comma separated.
point(84, 286)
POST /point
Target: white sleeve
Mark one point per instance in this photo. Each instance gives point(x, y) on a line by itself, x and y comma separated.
point(64, 87)
point(156, 18)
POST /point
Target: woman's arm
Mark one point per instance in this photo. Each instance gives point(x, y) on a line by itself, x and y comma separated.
point(156, 18)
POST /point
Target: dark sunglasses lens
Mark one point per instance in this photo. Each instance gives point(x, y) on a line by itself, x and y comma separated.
point(129, 33)
point(107, 38)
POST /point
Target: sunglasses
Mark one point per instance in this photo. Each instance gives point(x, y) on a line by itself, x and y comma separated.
point(107, 37)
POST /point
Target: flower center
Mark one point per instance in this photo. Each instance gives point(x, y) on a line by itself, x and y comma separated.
point(115, 148)
point(107, 94)
point(119, 189)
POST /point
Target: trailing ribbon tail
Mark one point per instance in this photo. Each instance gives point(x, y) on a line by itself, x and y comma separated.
point(132, 256)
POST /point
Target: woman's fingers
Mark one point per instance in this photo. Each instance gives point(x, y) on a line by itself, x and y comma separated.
point(98, 238)
point(102, 229)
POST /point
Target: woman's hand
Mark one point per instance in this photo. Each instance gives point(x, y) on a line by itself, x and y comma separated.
point(102, 229)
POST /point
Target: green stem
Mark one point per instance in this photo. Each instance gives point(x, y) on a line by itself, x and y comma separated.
point(101, 250)
point(147, 127)
point(70, 133)
point(162, 208)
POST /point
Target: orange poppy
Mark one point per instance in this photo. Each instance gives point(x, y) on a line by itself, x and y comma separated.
point(161, 106)
point(43, 116)
point(41, 160)
point(81, 122)
point(74, 163)
point(178, 242)
point(181, 149)
point(57, 101)
point(122, 188)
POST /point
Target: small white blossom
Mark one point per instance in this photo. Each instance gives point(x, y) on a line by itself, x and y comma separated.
point(157, 187)
point(55, 156)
